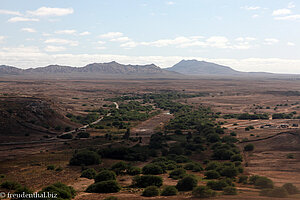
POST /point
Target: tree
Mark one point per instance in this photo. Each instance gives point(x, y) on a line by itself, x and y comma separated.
point(105, 175)
point(212, 174)
point(291, 189)
point(203, 192)
point(249, 147)
point(177, 173)
point(85, 157)
point(229, 190)
point(152, 169)
point(89, 173)
point(187, 183)
point(147, 180)
point(151, 191)
point(63, 191)
point(229, 172)
point(110, 186)
point(169, 191)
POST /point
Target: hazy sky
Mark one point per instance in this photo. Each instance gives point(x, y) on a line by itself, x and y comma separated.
point(248, 35)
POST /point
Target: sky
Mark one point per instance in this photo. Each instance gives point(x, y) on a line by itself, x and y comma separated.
point(247, 35)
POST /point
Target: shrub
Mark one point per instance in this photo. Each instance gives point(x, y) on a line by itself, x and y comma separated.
point(243, 179)
point(253, 178)
point(89, 173)
point(151, 191)
point(279, 192)
point(217, 185)
point(212, 174)
point(63, 191)
point(249, 147)
point(229, 172)
point(110, 186)
point(263, 182)
point(187, 183)
point(83, 135)
point(66, 136)
point(134, 171)
point(195, 167)
point(119, 167)
point(105, 175)
point(236, 157)
point(152, 169)
point(10, 185)
point(229, 190)
point(213, 165)
point(177, 173)
point(169, 191)
point(147, 180)
point(181, 159)
point(203, 192)
point(85, 157)
point(291, 189)
point(50, 167)
point(290, 156)
point(222, 154)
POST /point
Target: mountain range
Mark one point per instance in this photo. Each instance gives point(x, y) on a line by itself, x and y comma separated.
point(113, 69)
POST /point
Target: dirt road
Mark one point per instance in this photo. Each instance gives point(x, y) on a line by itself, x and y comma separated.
point(148, 127)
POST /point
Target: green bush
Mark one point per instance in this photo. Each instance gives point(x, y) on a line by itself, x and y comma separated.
point(89, 173)
point(10, 185)
point(83, 135)
point(50, 167)
point(110, 186)
point(291, 189)
point(229, 190)
point(229, 172)
point(177, 173)
point(120, 167)
point(134, 171)
point(236, 157)
point(151, 191)
point(152, 169)
point(105, 175)
point(217, 185)
point(195, 167)
point(147, 180)
point(263, 182)
point(187, 183)
point(203, 192)
point(169, 191)
point(212, 165)
point(243, 179)
point(212, 174)
point(253, 178)
point(279, 192)
point(85, 157)
point(63, 191)
point(249, 147)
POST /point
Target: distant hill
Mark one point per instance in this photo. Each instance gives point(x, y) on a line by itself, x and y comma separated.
point(94, 70)
point(195, 67)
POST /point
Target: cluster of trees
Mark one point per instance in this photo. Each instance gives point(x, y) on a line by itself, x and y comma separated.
point(89, 118)
point(283, 116)
point(246, 116)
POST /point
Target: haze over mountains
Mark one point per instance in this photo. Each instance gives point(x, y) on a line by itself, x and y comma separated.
point(113, 69)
